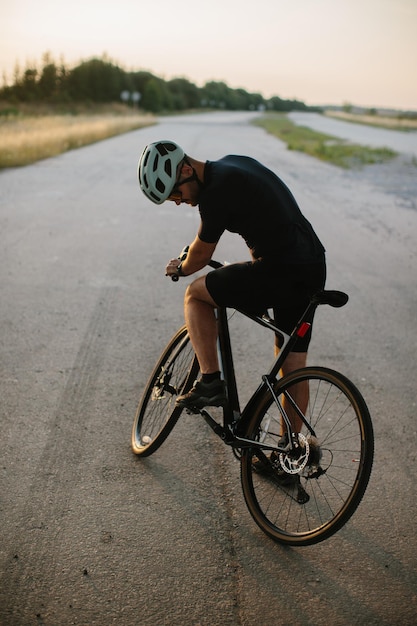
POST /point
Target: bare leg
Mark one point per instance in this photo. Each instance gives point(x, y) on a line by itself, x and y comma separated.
point(202, 324)
point(300, 392)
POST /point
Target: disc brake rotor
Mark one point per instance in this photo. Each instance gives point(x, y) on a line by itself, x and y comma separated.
point(292, 464)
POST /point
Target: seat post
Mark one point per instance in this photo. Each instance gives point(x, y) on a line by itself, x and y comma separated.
point(299, 330)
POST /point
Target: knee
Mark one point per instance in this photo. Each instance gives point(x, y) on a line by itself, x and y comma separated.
point(194, 288)
point(197, 291)
point(192, 292)
point(188, 295)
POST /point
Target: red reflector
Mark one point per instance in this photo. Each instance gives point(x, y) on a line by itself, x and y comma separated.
point(303, 329)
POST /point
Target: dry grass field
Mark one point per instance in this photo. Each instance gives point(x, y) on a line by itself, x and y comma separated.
point(26, 139)
point(394, 123)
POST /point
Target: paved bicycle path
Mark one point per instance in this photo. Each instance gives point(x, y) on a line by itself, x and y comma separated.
point(91, 534)
point(404, 142)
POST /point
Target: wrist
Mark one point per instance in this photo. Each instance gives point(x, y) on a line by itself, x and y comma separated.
point(179, 270)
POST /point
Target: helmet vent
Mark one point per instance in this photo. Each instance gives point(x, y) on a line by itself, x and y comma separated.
point(162, 149)
point(160, 185)
point(168, 168)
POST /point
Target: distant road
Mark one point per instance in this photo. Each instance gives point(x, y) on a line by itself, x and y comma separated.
point(400, 141)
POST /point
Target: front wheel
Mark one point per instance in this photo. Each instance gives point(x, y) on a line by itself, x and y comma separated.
point(305, 497)
point(172, 376)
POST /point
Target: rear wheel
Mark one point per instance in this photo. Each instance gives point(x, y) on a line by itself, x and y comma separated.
point(172, 376)
point(305, 497)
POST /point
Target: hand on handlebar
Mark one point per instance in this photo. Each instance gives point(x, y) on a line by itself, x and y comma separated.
point(172, 267)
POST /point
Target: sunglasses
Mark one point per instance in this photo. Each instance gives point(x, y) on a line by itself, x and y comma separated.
point(182, 182)
point(175, 193)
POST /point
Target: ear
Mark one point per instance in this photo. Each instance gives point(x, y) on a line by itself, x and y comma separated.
point(186, 170)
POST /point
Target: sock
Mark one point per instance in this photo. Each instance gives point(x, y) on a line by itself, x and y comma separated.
point(208, 378)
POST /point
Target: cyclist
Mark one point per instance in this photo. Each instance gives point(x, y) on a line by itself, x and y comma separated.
point(237, 194)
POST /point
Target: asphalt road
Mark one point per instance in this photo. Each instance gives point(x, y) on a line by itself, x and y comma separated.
point(93, 535)
point(400, 141)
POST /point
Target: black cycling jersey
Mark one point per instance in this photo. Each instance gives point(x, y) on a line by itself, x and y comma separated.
point(243, 196)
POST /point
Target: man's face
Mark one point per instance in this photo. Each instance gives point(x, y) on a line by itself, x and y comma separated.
point(185, 190)
point(187, 193)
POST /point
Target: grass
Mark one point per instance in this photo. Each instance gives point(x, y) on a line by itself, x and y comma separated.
point(381, 121)
point(29, 137)
point(320, 145)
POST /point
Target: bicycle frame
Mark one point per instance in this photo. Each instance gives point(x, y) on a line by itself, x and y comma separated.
point(234, 421)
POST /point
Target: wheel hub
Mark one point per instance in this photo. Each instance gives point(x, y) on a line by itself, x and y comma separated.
point(295, 463)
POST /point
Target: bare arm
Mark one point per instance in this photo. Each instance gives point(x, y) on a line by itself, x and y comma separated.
point(198, 256)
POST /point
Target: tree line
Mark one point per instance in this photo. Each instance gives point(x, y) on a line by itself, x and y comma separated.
point(99, 80)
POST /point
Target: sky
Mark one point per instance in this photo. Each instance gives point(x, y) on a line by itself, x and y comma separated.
point(361, 52)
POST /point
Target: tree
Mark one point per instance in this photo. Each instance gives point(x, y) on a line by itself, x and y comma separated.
point(48, 81)
point(96, 81)
point(185, 95)
point(215, 94)
point(156, 96)
point(29, 85)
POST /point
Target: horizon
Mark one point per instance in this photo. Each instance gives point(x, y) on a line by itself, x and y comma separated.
point(337, 52)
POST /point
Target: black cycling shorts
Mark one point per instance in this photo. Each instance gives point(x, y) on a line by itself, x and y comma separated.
point(260, 285)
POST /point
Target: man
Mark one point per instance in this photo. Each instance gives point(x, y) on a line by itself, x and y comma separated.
point(238, 194)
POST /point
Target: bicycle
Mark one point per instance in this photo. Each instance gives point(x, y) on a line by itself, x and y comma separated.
point(299, 487)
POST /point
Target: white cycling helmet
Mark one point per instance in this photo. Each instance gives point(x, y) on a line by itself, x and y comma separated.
point(157, 169)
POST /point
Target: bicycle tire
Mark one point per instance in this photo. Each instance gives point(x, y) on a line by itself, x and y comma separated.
point(320, 498)
point(172, 376)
